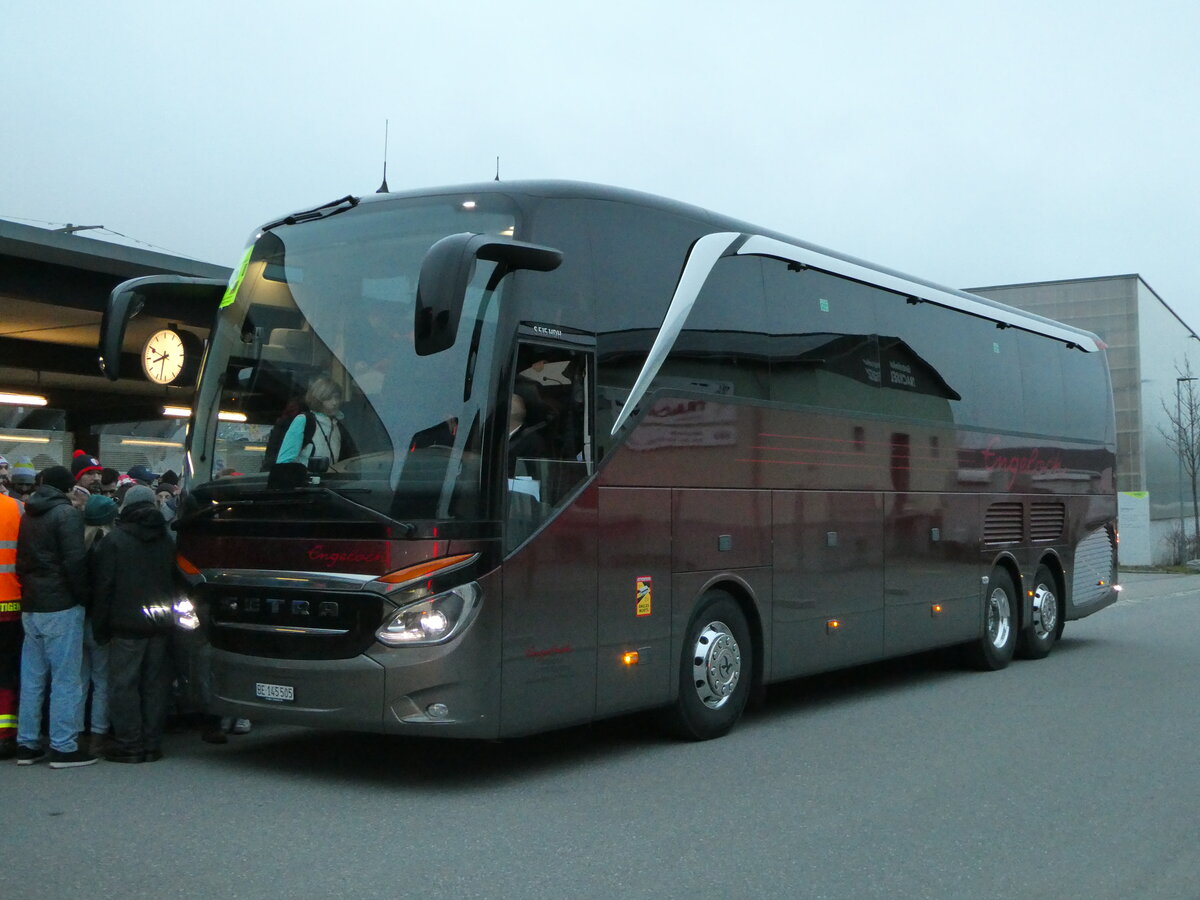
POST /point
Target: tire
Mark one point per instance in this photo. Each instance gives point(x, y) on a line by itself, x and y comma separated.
point(993, 649)
point(716, 668)
point(1038, 635)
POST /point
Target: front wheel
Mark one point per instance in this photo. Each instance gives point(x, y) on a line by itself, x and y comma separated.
point(1045, 618)
point(994, 648)
point(715, 670)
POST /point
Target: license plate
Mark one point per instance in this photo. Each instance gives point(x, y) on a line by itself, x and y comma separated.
point(274, 691)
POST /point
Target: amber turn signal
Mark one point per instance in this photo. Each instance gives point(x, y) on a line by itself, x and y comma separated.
point(425, 569)
point(185, 565)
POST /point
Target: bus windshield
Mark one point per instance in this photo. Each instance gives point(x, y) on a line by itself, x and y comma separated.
point(330, 303)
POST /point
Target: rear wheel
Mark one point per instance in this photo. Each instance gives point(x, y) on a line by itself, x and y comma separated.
point(1045, 617)
point(994, 648)
point(715, 670)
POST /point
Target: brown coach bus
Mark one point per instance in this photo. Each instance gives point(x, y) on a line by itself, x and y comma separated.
point(603, 452)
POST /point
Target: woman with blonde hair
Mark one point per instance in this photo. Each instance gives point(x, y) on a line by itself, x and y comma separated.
point(317, 432)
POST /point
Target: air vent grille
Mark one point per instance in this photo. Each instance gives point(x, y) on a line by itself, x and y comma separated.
point(1004, 524)
point(1046, 521)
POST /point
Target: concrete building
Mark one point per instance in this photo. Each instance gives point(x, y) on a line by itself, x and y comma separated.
point(1151, 351)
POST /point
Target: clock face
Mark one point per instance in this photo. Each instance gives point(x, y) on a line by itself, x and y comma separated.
point(163, 356)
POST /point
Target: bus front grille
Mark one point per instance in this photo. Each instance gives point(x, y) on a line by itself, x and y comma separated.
point(283, 624)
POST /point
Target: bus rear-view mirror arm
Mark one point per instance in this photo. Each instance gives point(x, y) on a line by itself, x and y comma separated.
point(172, 294)
point(447, 270)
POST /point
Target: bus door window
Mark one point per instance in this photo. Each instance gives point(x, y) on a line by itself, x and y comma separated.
point(548, 450)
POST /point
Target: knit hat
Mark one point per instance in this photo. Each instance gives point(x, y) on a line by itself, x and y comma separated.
point(23, 471)
point(3, 461)
point(82, 463)
point(58, 477)
point(99, 510)
point(169, 477)
point(142, 474)
point(139, 493)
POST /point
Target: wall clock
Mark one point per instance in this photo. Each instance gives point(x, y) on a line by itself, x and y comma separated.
point(165, 356)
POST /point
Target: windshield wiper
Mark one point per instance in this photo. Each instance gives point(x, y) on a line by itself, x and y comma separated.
point(323, 211)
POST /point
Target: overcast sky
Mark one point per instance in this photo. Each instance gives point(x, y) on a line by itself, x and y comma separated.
point(965, 142)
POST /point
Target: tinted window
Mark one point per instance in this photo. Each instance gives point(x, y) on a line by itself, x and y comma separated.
point(564, 296)
point(721, 348)
point(928, 364)
point(822, 345)
point(1087, 395)
point(1042, 383)
point(638, 255)
point(998, 397)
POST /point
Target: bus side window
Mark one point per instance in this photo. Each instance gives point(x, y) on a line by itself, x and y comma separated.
point(548, 445)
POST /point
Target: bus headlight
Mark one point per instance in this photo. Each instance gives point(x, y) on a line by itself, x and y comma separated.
point(185, 615)
point(432, 620)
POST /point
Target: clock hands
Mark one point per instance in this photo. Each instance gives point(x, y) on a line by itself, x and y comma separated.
point(164, 357)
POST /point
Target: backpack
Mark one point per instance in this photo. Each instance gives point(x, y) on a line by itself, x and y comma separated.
point(279, 430)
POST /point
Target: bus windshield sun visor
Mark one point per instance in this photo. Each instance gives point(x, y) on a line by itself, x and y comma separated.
point(446, 271)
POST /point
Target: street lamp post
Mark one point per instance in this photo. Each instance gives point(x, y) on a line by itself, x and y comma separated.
point(1179, 455)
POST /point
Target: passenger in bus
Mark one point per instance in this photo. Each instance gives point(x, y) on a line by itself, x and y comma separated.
point(317, 433)
point(523, 441)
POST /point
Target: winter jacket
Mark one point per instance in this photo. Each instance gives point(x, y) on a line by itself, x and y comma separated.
point(135, 577)
point(51, 560)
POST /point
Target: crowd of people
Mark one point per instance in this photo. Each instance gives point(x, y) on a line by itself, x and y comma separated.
point(88, 585)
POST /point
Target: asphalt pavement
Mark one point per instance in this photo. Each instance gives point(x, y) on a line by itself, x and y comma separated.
point(1077, 776)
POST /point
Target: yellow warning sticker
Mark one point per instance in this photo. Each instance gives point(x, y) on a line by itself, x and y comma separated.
point(645, 594)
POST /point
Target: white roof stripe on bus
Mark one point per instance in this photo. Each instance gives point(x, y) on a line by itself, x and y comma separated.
point(758, 245)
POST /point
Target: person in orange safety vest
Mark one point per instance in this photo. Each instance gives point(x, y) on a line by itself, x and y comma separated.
point(11, 633)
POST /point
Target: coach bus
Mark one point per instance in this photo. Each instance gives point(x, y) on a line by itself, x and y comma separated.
point(606, 452)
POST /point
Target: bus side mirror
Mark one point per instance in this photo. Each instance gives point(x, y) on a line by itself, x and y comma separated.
point(448, 268)
point(181, 298)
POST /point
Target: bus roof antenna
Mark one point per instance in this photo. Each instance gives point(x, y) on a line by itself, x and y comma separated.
point(383, 188)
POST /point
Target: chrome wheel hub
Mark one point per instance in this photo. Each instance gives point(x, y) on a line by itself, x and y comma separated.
point(716, 664)
point(999, 618)
point(1045, 611)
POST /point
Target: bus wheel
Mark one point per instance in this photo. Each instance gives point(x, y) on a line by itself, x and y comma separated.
point(994, 648)
point(1038, 635)
point(715, 670)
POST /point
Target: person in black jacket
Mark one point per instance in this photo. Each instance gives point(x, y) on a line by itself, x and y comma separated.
point(133, 613)
point(51, 566)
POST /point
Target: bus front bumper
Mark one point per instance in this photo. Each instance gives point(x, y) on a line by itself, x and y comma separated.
point(363, 693)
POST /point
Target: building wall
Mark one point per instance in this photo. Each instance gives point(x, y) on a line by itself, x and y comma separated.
point(1168, 348)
